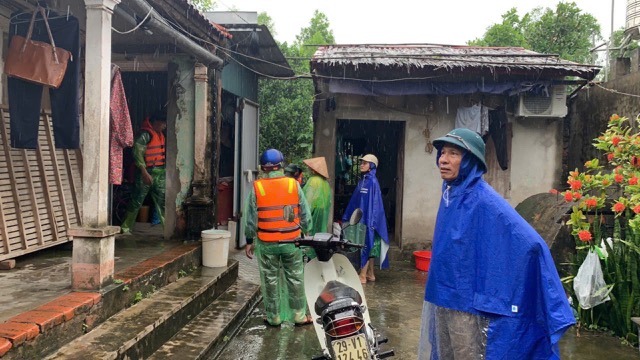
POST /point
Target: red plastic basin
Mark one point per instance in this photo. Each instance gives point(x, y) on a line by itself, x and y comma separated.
point(423, 259)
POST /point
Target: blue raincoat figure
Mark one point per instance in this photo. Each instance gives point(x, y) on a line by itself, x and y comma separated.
point(368, 197)
point(493, 291)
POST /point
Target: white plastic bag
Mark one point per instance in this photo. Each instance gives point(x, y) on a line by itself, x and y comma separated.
point(589, 285)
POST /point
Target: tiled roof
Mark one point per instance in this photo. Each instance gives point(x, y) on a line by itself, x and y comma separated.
point(191, 12)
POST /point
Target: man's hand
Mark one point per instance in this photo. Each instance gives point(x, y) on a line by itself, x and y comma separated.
point(146, 178)
point(248, 250)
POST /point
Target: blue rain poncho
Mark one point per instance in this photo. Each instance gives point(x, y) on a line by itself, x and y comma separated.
point(368, 197)
point(489, 262)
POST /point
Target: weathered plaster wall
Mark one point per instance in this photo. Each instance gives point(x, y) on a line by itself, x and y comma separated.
point(536, 157)
point(180, 140)
point(590, 112)
point(536, 153)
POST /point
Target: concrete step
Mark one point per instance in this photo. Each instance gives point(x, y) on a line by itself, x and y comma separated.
point(138, 331)
point(205, 335)
point(43, 330)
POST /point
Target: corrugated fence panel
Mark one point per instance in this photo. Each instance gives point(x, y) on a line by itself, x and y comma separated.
point(40, 192)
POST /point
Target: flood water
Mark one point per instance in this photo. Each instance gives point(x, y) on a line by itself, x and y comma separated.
point(395, 302)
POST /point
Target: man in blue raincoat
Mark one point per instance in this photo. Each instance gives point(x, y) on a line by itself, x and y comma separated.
point(493, 291)
point(368, 197)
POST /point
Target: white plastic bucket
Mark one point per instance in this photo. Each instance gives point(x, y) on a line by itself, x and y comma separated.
point(215, 247)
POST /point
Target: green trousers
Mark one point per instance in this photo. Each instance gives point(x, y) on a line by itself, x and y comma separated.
point(140, 191)
point(282, 279)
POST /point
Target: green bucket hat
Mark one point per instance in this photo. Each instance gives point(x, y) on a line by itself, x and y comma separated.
point(465, 139)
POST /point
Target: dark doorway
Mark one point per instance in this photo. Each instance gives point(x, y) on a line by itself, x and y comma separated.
point(384, 139)
point(146, 94)
point(226, 176)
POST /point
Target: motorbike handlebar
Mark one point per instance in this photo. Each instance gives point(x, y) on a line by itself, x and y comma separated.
point(323, 241)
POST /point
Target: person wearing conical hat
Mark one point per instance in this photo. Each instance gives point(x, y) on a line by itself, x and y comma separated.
point(318, 193)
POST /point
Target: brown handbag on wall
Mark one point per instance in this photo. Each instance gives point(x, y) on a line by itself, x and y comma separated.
point(36, 61)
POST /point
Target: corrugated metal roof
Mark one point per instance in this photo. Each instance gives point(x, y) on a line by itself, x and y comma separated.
point(446, 57)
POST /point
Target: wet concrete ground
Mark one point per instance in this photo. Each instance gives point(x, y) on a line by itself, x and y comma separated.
point(43, 276)
point(395, 302)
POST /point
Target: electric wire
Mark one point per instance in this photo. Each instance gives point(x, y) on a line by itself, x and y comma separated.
point(614, 91)
point(136, 27)
point(226, 51)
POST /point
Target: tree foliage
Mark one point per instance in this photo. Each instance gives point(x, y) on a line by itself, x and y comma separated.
point(507, 33)
point(566, 31)
point(204, 5)
point(618, 36)
point(286, 105)
point(266, 20)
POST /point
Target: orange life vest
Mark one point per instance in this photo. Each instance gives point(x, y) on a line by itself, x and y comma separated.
point(272, 195)
point(155, 153)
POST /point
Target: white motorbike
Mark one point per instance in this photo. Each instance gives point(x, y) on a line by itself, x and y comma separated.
point(336, 299)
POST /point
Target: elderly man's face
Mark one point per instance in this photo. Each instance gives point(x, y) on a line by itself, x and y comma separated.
point(449, 162)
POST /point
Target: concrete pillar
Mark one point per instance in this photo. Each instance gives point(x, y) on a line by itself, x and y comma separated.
point(93, 248)
point(200, 204)
point(621, 68)
point(201, 80)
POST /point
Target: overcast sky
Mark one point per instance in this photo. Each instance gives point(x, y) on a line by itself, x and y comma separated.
point(408, 21)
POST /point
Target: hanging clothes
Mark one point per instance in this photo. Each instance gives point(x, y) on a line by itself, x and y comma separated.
point(498, 131)
point(121, 135)
point(469, 118)
point(484, 120)
point(25, 97)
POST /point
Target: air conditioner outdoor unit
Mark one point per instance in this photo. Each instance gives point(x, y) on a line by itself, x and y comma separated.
point(540, 105)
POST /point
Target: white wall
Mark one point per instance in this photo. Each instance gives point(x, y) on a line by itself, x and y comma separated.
point(535, 163)
point(536, 157)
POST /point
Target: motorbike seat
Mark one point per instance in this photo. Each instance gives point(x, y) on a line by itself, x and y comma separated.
point(336, 291)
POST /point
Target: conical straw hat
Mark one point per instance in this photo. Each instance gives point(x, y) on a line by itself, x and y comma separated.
point(318, 165)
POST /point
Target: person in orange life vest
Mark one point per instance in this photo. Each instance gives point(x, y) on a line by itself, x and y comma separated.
point(281, 266)
point(149, 157)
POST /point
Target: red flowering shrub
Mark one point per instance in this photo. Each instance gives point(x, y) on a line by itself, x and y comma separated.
point(584, 235)
point(597, 191)
point(615, 141)
point(591, 203)
point(575, 184)
point(568, 196)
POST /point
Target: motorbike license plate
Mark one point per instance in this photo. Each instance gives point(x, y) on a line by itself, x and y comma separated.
point(351, 348)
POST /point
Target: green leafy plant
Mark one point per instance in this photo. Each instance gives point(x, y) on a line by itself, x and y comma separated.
point(150, 293)
point(138, 297)
point(118, 281)
point(125, 288)
point(607, 199)
point(182, 274)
